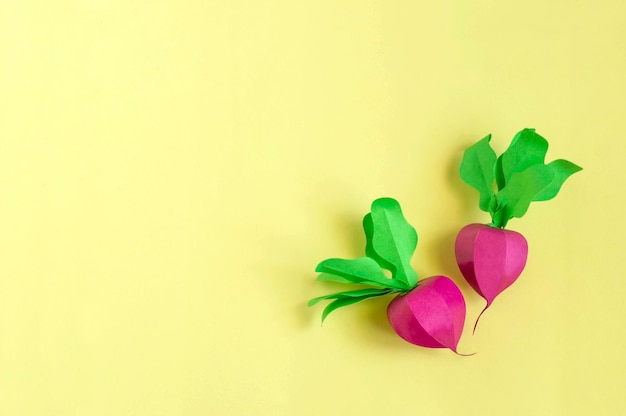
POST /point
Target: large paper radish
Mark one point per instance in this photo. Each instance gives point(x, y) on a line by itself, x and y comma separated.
point(429, 312)
point(489, 256)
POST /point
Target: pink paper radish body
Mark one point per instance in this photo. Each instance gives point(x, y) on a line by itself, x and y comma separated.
point(431, 315)
point(429, 312)
point(490, 257)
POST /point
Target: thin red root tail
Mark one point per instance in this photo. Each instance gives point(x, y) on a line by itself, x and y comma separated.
point(477, 319)
point(464, 355)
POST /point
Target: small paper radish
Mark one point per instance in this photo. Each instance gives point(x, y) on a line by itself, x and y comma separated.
point(429, 313)
point(490, 257)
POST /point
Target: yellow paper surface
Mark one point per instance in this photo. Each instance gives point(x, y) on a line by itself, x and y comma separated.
point(172, 172)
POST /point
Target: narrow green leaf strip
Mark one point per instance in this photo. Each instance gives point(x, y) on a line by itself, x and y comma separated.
point(346, 301)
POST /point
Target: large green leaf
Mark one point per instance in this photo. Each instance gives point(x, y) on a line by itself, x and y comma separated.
point(520, 191)
point(477, 170)
point(562, 169)
point(363, 270)
point(526, 149)
point(392, 239)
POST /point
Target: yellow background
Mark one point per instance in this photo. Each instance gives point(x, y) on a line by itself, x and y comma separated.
point(172, 172)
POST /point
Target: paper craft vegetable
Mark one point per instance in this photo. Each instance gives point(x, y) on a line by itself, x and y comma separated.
point(429, 313)
point(490, 257)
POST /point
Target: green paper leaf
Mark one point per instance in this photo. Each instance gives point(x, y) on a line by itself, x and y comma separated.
point(477, 170)
point(361, 293)
point(526, 149)
point(363, 270)
point(327, 277)
point(339, 303)
point(368, 227)
point(391, 240)
point(500, 181)
point(520, 190)
point(562, 169)
point(348, 298)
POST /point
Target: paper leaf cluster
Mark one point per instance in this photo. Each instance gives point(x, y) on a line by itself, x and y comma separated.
point(391, 242)
point(509, 183)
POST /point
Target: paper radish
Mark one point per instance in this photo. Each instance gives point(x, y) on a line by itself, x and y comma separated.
point(429, 313)
point(490, 257)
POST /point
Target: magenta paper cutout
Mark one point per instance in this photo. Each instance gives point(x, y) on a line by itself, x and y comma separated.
point(431, 315)
point(490, 259)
